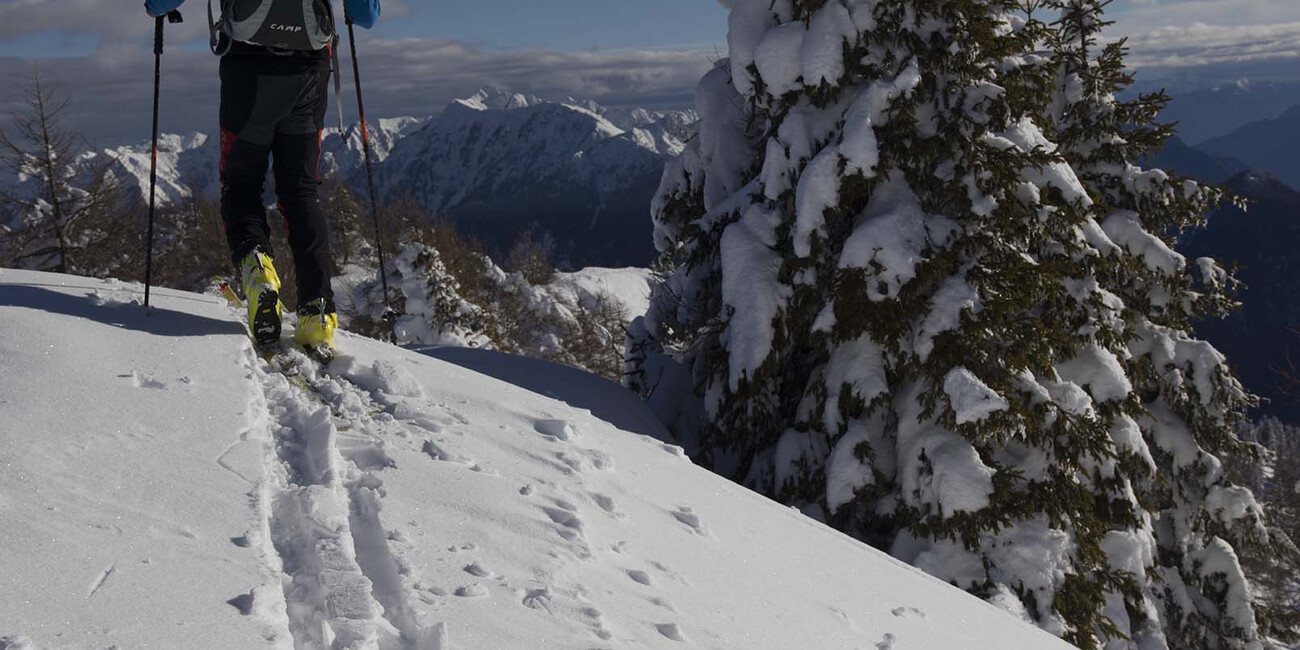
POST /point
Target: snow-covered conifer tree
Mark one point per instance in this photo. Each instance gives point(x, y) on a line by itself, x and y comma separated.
point(428, 299)
point(1190, 402)
point(906, 311)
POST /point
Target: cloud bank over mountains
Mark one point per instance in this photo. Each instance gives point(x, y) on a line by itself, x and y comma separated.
point(1214, 54)
point(111, 90)
point(1187, 44)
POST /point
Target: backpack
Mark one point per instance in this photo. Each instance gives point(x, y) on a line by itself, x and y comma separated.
point(300, 25)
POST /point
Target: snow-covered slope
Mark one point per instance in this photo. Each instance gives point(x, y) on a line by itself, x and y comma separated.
point(162, 488)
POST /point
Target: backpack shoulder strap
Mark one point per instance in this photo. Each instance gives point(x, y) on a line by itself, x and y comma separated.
point(338, 83)
point(217, 40)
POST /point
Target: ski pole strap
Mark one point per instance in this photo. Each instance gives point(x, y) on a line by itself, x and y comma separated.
point(173, 17)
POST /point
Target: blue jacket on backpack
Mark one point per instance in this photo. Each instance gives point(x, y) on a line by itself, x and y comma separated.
point(365, 13)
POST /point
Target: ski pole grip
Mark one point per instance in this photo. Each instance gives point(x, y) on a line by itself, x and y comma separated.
point(158, 36)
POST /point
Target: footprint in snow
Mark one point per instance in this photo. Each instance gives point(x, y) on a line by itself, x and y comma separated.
point(472, 591)
point(605, 502)
point(572, 465)
point(556, 429)
point(687, 517)
point(599, 459)
point(886, 643)
point(907, 611)
point(640, 577)
point(596, 621)
point(432, 450)
point(383, 376)
point(671, 631)
point(539, 599)
point(478, 570)
point(367, 453)
point(570, 528)
point(429, 593)
point(417, 417)
point(571, 523)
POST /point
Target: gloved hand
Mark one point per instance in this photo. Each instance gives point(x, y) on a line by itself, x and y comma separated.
point(161, 7)
point(364, 13)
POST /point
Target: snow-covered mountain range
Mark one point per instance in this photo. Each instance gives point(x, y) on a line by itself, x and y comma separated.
point(578, 174)
point(163, 487)
point(186, 162)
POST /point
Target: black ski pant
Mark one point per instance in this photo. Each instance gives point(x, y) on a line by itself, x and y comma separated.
point(274, 106)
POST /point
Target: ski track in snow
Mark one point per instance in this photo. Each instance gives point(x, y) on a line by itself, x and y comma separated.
point(343, 583)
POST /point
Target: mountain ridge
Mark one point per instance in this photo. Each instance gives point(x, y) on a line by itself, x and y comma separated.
point(1269, 144)
point(577, 175)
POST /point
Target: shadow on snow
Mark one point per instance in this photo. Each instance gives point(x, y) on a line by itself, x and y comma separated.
point(131, 316)
point(581, 390)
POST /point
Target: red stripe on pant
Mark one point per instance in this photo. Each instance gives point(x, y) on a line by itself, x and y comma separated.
point(227, 141)
point(284, 219)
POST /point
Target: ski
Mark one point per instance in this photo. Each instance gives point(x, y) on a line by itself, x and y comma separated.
point(321, 355)
point(224, 288)
point(287, 357)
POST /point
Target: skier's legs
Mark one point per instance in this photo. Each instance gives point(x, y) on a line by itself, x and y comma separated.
point(296, 152)
point(243, 168)
point(249, 112)
point(297, 189)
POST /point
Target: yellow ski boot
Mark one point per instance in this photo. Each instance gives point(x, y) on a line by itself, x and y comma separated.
point(262, 291)
point(317, 323)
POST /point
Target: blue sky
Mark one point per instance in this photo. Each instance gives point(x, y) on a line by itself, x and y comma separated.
point(618, 52)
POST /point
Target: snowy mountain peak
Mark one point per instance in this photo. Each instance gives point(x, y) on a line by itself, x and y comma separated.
point(492, 98)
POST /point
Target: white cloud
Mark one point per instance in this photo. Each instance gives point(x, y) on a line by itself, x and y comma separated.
point(1204, 41)
point(112, 20)
point(111, 90)
point(1202, 44)
point(1142, 16)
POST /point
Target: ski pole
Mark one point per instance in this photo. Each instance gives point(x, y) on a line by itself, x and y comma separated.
point(389, 315)
point(173, 17)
